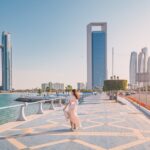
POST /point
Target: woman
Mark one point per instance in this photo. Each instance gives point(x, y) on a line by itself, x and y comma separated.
point(72, 110)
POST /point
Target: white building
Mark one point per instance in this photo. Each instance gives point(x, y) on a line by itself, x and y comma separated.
point(148, 65)
point(58, 86)
point(50, 84)
point(55, 86)
point(133, 68)
point(140, 62)
point(80, 86)
point(44, 86)
point(145, 52)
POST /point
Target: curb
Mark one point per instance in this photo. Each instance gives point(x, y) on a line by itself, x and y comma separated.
point(141, 108)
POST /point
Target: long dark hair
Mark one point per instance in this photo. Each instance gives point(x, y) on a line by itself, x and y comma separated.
point(75, 93)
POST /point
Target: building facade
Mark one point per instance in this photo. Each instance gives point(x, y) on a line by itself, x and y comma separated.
point(58, 86)
point(80, 86)
point(145, 53)
point(6, 61)
point(140, 62)
point(52, 86)
point(133, 68)
point(96, 55)
point(148, 65)
point(44, 86)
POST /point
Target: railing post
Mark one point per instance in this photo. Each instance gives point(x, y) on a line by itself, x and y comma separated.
point(22, 116)
point(52, 105)
point(60, 102)
point(40, 111)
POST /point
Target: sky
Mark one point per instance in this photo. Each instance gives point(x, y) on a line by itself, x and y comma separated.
point(49, 37)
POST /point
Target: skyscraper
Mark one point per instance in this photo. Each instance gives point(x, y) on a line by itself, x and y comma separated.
point(96, 55)
point(133, 68)
point(6, 61)
point(140, 62)
point(145, 52)
point(148, 65)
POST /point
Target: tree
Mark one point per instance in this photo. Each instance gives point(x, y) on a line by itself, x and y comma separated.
point(114, 86)
point(110, 85)
point(68, 88)
point(39, 91)
point(47, 90)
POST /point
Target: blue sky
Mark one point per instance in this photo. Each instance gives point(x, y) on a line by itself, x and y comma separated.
point(49, 36)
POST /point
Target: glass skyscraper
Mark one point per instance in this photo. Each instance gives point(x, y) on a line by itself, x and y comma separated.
point(96, 55)
point(6, 61)
point(133, 68)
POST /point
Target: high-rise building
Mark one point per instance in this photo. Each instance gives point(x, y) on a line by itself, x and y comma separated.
point(6, 61)
point(44, 86)
point(140, 62)
point(96, 55)
point(80, 86)
point(58, 86)
point(133, 68)
point(148, 65)
point(145, 53)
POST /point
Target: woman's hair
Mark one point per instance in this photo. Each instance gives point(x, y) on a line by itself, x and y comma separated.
point(75, 93)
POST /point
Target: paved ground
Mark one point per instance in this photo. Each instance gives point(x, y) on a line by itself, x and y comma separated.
point(106, 125)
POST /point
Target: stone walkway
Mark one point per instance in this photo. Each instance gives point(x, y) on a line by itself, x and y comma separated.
point(107, 125)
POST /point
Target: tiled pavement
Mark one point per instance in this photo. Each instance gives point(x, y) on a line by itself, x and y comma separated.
point(105, 125)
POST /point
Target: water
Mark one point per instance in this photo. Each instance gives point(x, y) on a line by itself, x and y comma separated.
point(8, 99)
point(12, 114)
point(7, 115)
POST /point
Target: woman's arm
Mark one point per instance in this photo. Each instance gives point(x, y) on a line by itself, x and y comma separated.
point(65, 106)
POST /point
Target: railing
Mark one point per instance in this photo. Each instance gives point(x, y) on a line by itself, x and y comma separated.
point(142, 98)
point(20, 111)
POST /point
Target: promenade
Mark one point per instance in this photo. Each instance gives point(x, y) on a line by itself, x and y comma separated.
point(106, 125)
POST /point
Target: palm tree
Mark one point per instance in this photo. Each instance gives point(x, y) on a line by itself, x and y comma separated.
point(47, 90)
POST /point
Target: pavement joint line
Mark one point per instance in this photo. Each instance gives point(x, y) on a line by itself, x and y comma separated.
point(123, 127)
point(49, 144)
point(16, 143)
point(93, 146)
point(11, 125)
point(139, 134)
point(131, 144)
point(77, 133)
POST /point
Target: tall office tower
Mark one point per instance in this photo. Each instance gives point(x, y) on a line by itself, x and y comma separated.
point(96, 55)
point(148, 65)
point(140, 62)
point(6, 61)
point(133, 68)
point(145, 52)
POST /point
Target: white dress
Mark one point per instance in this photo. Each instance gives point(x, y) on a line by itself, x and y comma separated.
point(72, 111)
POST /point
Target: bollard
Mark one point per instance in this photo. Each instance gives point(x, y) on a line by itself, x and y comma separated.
point(22, 116)
point(40, 111)
point(52, 105)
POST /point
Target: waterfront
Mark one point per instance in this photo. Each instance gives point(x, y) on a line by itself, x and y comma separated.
point(11, 114)
point(8, 99)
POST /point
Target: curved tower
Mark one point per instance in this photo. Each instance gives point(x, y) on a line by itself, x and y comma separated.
point(145, 52)
point(148, 65)
point(133, 68)
point(141, 62)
